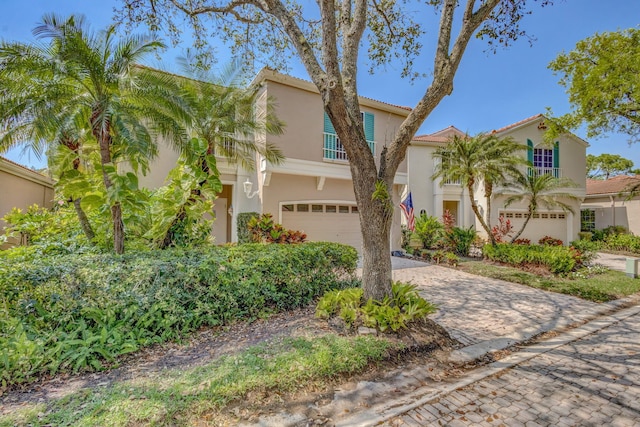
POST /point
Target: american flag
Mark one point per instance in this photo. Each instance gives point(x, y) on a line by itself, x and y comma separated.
point(407, 208)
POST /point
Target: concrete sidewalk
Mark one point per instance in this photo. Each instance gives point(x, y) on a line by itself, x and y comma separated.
point(612, 261)
point(484, 314)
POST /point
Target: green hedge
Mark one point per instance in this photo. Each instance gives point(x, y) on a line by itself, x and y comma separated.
point(76, 312)
point(622, 242)
point(559, 259)
point(244, 235)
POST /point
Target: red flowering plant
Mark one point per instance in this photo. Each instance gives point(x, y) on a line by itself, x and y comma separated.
point(502, 231)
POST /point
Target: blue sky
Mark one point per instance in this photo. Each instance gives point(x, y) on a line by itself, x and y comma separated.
point(490, 90)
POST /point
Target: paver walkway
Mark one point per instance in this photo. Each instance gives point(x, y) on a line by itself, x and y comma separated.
point(594, 381)
point(476, 309)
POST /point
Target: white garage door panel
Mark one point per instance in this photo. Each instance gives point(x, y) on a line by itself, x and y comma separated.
point(329, 227)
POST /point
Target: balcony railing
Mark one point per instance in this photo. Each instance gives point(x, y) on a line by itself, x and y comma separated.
point(538, 171)
point(334, 150)
point(228, 148)
point(451, 182)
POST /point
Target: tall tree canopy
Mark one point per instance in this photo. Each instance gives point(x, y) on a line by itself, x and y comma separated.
point(327, 37)
point(602, 77)
point(606, 165)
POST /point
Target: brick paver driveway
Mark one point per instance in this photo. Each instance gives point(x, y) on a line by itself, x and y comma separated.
point(594, 381)
point(475, 309)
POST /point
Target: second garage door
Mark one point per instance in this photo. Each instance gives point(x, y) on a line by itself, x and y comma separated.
point(325, 222)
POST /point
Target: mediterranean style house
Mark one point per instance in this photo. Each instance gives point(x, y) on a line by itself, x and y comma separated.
point(607, 203)
point(21, 187)
point(566, 158)
point(312, 189)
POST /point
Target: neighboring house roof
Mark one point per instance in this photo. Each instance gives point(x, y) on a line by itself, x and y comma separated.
point(616, 185)
point(17, 169)
point(275, 76)
point(441, 136)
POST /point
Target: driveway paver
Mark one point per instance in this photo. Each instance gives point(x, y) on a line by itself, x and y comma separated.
point(476, 309)
point(594, 381)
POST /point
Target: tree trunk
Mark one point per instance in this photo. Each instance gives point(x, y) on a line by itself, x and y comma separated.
point(84, 221)
point(526, 221)
point(476, 211)
point(73, 144)
point(375, 225)
point(101, 132)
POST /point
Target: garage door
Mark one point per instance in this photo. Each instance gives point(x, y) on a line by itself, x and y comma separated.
point(542, 224)
point(325, 222)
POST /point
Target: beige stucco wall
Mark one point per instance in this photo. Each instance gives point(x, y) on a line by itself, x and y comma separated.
point(573, 152)
point(566, 229)
point(285, 188)
point(302, 112)
point(21, 188)
point(615, 210)
point(572, 165)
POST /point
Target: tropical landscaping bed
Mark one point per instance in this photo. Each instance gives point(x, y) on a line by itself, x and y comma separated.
point(190, 335)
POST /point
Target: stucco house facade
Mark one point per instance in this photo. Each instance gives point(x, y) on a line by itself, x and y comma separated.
point(607, 203)
point(566, 158)
point(21, 187)
point(312, 189)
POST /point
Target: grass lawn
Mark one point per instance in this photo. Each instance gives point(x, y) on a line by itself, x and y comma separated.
point(593, 285)
point(188, 397)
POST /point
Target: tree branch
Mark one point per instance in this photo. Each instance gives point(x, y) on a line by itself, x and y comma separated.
point(229, 8)
point(445, 68)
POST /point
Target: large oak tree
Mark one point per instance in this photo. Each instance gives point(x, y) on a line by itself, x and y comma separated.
point(327, 36)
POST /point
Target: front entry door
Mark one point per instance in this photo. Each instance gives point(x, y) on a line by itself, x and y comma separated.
point(219, 228)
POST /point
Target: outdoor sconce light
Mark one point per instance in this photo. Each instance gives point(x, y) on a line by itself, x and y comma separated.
point(247, 189)
point(230, 210)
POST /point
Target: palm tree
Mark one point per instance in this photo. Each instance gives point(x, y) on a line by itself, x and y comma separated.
point(224, 123)
point(536, 190)
point(97, 86)
point(482, 158)
point(25, 118)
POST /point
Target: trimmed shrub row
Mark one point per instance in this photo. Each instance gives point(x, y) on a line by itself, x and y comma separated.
point(76, 312)
point(558, 259)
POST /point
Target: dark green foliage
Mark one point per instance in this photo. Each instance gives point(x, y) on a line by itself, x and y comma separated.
point(558, 259)
point(585, 235)
point(405, 307)
point(460, 239)
point(264, 229)
point(428, 230)
point(622, 242)
point(244, 235)
point(76, 312)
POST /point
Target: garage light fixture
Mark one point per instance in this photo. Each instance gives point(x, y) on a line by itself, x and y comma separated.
point(248, 185)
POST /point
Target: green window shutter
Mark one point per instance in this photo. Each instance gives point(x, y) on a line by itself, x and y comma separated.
point(556, 159)
point(328, 126)
point(329, 139)
point(368, 127)
point(530, 151)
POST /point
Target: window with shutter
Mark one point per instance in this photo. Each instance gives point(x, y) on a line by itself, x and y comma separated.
point(333, 148)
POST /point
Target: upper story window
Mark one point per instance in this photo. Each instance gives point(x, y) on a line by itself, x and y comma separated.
point(333, 149)
point(545, 160)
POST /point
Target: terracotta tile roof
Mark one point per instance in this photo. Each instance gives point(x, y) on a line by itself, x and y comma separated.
point(615, 185)
point(430, 138)
point(4, 159)
point(440, 136)
point(516, 124)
